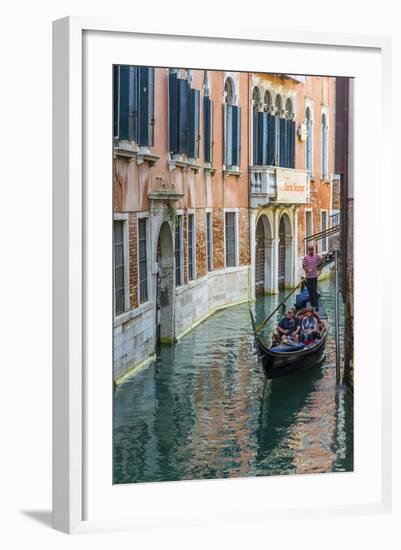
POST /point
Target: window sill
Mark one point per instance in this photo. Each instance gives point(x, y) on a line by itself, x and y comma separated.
point(134, 153)
point(232, 172)
point(209, 169)
point(185, 164)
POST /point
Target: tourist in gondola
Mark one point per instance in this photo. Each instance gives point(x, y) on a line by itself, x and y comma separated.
point(288, 329)
point(309, 327)
point(309, 264)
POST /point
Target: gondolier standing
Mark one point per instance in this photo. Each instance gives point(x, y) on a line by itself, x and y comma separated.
point(309, 264)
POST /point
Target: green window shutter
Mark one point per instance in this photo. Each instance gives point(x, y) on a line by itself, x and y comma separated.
point(145, 88)
point(116, 102)
point(206, 128)
point(283, 141)
point(193, 141)
point(236, 136)
point(124, 94)
point(183, 116)
point(271, 141)
point(255, 135)
point(227, 141)
point(173, 112)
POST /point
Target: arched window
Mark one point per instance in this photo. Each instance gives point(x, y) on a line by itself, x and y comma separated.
point(206, 83)
point(229, 91)
point(289, 109)
point(279, 105)
point(256, 126)
point(279, 130)
point(309, 140)
point(232, 126)
point(268, 101)
point(287, 129)
point(208, 120)
point(324, 143)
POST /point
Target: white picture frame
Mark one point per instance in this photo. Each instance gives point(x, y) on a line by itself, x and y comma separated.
point(73, 475)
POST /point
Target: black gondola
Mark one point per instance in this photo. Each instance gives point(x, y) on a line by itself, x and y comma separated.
point(282, 363)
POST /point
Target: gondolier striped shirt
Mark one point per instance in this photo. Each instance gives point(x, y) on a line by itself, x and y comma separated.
point(310, 263)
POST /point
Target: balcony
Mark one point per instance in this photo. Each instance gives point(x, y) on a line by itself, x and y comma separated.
point(270, 184)
point(263, 185)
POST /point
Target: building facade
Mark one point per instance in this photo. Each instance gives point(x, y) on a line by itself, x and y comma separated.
point(180, 183)
point(291, 173)
point(218, 177)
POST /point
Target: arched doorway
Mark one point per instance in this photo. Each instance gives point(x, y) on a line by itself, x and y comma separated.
point(165, 286)
point(285, 253)
point(263, 256)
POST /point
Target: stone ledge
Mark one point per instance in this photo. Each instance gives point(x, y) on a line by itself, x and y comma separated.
point(132, 314)
point(185, 164)
point(229, 172)
point(211, 274)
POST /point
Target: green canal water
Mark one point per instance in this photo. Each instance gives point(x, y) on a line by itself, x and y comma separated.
point(204, 409)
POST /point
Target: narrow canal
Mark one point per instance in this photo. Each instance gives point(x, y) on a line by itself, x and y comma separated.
point(205, 410)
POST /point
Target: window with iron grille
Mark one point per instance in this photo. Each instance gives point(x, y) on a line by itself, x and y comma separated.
point(177, 251)
point(191, 248)
point(231, 235)
point(143, 264)
point(119, 278)
point(209, 241)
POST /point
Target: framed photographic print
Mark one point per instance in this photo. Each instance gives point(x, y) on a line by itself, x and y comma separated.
point(214, 353)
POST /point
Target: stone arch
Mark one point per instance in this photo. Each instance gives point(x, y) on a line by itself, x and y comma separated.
point(268, 100)
point(278, 103)
point(229, 91)
point(256, 98)
point(285, 252)
point(165, 297)
point(263, 256)
point(289, 109)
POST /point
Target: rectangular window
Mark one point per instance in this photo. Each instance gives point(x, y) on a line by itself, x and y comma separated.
point(232, 135)
point(208, 108)
point(178, 250)
point(143, 264)
point(231, 239)
point(323, 228)
point(133, 103)
point(191, 247)
point(209, 240)
point(308, 225)
point(119, 267)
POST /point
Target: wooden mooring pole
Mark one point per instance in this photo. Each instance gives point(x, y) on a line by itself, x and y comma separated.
point(337, 321)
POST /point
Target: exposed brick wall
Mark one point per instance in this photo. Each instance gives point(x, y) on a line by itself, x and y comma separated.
point(218, 238)
point(243, 237)
point(200, 242)
point(133, 260)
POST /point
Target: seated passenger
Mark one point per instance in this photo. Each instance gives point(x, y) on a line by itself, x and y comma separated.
point(309, 326)
point(288, 329)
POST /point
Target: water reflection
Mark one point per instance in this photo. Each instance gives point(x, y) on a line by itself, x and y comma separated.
point(205, 410)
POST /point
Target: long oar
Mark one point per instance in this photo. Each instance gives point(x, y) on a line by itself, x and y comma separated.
point(262, 324)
